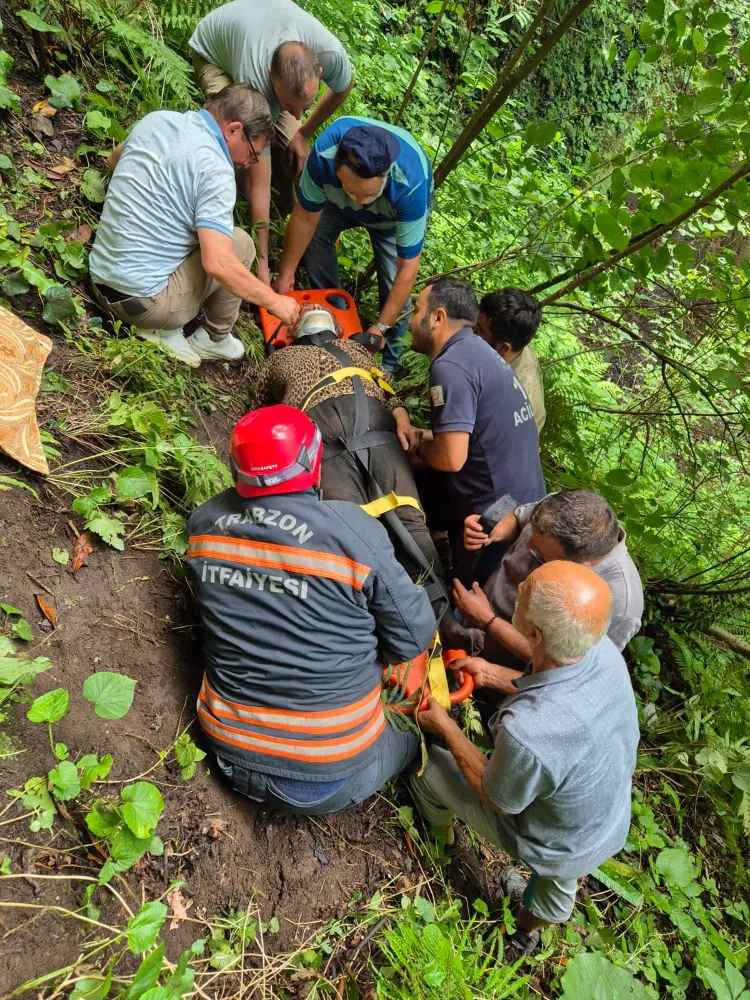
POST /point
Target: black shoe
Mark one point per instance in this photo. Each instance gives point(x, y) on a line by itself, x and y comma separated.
point(519, 945)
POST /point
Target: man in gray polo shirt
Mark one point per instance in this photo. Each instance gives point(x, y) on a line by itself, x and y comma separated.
point(283, 52)
point(555, 794)
point(577, 525)
point(166, 247)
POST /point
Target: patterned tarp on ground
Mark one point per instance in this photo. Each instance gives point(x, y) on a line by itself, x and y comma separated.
point(23, 352)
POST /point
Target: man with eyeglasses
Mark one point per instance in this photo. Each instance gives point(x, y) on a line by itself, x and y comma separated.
point(575, 525)
point(284, 53)
point(167, 248)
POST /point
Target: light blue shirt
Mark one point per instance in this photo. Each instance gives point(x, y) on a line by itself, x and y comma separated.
point(175, 176)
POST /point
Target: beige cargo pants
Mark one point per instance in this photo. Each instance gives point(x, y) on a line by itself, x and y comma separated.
point(189, 291)
point(213, 80)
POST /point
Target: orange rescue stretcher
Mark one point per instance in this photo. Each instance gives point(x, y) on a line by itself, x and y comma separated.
point(413, 678)
point(276, 335)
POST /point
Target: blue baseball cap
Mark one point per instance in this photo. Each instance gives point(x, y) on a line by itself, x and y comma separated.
point(374, 150)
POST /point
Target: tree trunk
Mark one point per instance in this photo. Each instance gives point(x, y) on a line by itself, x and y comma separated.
point(731, 640)
point(507, 82)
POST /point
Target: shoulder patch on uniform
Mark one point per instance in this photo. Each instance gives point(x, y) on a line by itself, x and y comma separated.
point(436, 395)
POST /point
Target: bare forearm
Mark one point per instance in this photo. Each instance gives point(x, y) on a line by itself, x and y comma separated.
point(258, 190)
point(233, 276)
point(114, 157)
point(326, 106)
point(406, 275)
point(470, 759)
point(510, 638)
point(300, 230)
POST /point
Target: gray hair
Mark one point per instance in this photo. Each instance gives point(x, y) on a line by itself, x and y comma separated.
point(295, 64)
point(581, 521)
point(240, 103)
point(567, 628)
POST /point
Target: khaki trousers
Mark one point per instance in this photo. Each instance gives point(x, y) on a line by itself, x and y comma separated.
point(212, 80)
point(189, 291)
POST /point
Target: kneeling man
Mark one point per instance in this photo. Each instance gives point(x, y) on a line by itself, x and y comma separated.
point(555, 793)
point(167, 247)
point(302, 601)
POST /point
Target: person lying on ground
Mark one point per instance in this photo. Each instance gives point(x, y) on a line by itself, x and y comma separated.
point(302, 375)
point(301, 601)
point(166, 247)
point(508, 320)
point(363, 173)
point(576, 525)
point(483, 440)
point(282, 52)
point(555, 793)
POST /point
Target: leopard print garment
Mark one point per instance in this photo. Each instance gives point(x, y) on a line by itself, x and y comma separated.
point(289, 374)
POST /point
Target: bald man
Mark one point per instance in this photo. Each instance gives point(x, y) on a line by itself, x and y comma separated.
point(555, 793)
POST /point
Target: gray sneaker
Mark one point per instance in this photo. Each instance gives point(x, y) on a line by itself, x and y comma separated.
point(514, 885)
point(520, 944)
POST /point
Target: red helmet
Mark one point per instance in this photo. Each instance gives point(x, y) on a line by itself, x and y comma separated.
point(276, 449)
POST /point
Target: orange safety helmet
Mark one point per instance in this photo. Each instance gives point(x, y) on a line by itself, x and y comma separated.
point(276, 449)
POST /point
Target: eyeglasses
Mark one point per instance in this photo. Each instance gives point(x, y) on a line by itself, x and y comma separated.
point(250, 143)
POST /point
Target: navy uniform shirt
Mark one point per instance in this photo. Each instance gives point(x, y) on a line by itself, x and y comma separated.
point(472, 389)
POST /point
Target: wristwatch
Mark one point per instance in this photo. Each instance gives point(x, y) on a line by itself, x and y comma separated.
point(380, 326)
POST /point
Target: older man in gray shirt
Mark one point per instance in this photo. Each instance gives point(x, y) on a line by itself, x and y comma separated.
point(577, 525)
point(555, 794)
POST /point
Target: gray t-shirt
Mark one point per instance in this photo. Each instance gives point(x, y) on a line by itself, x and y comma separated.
point(240, 37)
point(175, 176)
point(617, 569)
point(563, 763)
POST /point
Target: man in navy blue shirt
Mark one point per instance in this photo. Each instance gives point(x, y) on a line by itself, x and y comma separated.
point(375, 175)
point(483, 433)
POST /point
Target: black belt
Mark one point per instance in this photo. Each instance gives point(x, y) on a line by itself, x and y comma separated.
point(111, 294)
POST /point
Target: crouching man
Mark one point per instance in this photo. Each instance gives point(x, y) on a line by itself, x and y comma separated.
point(555, 793)
point(302, 602)
point(167, 248)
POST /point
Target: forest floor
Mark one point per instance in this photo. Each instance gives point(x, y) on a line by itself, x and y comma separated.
point(129, 613)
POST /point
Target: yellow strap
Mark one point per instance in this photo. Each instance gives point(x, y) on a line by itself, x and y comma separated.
point(389, 502)
point(436, 677)
point(374, 375)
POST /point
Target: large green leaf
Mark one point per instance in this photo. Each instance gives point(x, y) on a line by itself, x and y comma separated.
point(676, 866)
point(111, 694)
point(611, 230)
point(64, 780)
point(133, 483)
point(50, 707)
point(147, 974)
point(591, 977)
point(142, 807)
point(59, 306)
point(92, 989)
point(144, 927)
point(16, 671)
point(65, 91)
point(92, 186)
point(36, 23)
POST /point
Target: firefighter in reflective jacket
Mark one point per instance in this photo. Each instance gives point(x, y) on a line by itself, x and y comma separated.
point(302, 602)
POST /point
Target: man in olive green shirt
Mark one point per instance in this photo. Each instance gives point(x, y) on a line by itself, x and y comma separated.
point(508, 320)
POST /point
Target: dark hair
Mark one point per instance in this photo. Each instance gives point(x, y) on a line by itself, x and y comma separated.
point(513, 316)
point(457, 298)
point(581, 521)
point(295, 64)
point(240, 103)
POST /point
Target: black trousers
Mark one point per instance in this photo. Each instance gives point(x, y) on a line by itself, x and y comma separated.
point(344, 479)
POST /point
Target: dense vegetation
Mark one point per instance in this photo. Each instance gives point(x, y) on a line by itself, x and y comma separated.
point(610, 176)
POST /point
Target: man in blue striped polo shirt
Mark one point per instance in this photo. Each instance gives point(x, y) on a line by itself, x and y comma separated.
point(363, 173)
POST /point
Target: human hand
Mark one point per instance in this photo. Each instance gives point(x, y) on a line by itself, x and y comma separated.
point(432, 717)
point(409, 436)
point(263, 272)
point(472, 604)
point(285, 309)
point(299, 150)
point(486, 675)
point(378, 333)
point(475, 537)
point(284, 282)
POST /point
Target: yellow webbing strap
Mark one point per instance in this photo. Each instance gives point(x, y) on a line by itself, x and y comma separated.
point(389, 502)
point(436, 677)
point(374, 375)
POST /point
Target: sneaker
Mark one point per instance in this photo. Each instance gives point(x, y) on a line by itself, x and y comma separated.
point(229, 348)
point(513, 885)
point(172, 342)
point(519, 945)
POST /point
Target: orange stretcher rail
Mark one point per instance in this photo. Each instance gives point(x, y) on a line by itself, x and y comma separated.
point(411, 677)
point(276, 335)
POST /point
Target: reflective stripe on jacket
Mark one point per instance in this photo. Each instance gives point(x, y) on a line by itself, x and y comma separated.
point(302, 601)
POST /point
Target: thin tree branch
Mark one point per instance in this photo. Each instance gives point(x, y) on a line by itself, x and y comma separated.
point(420, 64)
